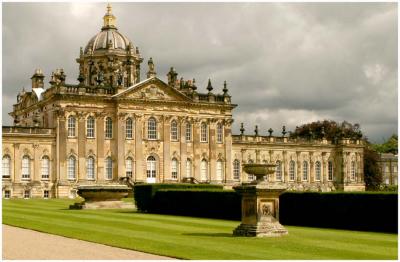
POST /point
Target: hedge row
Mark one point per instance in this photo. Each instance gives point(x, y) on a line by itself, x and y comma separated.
point(367, 211)
point(144, 193)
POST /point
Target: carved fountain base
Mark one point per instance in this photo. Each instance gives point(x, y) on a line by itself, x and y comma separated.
point(260, 210)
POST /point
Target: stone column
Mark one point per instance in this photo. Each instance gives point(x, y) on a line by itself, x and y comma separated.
point(61, 146)
point(120, 145)
point(183, 148)
point(100, 146)
point(81, 147)
point(228, 150)
point(166, 146)
point(196, 149)
point(362, 168)
point(139, 170)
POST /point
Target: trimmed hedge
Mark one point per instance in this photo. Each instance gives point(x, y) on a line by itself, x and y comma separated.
point(144, 193)
point(367, 211)
point(220, 204)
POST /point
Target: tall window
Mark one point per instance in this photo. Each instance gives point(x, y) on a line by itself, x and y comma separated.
point(71, 126)
point(151, 169)
point(250, 177)
point(353, 170)
point(90, 168)
point(305, 170)
point(151, 128)
point(317, 171)
point(45, 167)
point(203, 170)
point(90, 127)
point(278, 170)
point(174, 168)
point(236, 169)
point(220, 133)
point(7, 194)
point(330, 171)
point(174, 131)
point(27, 193)
point(71, 167)
point(292, 168)
point(108, 168)
point(188, 132)
point(26, 167)
point(129, 128)
point(6, 166)
point(109, 126)
point(220, 170)
point(203, 132)
point(129, 167)
point(188, 168)
point(46, 194)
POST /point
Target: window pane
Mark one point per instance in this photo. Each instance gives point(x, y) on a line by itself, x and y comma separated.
point(90, 127)
point(278, 171)
point(152, 129)
point(317, 171)
point(188, 132)
point(305, 170)
point(188, 168)
point(6, 166)
point(174, 130)
point(203, 130)
point(45, 167)
point(71, 167)
point(330, 170)
point(174, 169)
point(220, 170)
point(90, 168)
point(129, 128)
point(203, 170)
point(108, 127)
point(129, 167)
point(236, 169)
point(292, 168)
point(220, 130)
point(71, 126)
point(108, 168)
point(25, 167)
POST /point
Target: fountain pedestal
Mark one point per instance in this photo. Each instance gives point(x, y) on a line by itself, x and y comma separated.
point(260, 204)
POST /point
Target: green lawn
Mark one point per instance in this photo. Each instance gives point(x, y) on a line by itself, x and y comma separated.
point(192, 238)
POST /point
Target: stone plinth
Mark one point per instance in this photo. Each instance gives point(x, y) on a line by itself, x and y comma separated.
point(103, 197)
point(260, 204)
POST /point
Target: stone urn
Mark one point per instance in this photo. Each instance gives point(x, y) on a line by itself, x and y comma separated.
point(260, 203)
point(103, 197)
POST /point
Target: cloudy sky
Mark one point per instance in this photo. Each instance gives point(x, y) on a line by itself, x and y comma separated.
point(285, 64)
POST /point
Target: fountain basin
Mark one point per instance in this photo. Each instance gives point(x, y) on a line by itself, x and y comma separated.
point(103, 197)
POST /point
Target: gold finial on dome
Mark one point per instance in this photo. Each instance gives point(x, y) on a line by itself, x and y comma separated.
point(109, 18)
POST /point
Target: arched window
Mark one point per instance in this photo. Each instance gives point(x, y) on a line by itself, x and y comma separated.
point(129, 128)
point(188, 132)
point(317, 171)
point(129, 167)
point(90, 127)
point(71, 167)
point(45, 167)
point(151, 128)
point(292, 170)
point(109, 173)
point(220, 133)
point(330, 170)
point(278, 170)
point(174, 168)
point(203, 170)
point(151, 169)
point(174, 131)
point(26, 167)
point(305, 171)
point(353, 170)
point(203, 131)
point(71, 126)
point(109, 127)
point(236, 169)
point(188, 167)
point(220, 170)
point(90, 168)
point(6, 166)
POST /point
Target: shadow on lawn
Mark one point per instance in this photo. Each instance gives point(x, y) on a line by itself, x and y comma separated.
point(208, 234)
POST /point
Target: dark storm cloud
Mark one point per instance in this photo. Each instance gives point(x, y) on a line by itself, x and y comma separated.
point(286, 64)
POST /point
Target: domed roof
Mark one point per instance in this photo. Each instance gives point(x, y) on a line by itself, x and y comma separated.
point(109, 37)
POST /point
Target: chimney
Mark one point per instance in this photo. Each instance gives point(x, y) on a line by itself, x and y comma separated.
point(37, 79)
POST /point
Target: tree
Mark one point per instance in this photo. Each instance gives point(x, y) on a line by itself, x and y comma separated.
point(372, 172)
point(390, 146)
point(329, 129)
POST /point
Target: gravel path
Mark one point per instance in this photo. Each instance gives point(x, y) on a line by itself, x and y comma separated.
point(24, 244)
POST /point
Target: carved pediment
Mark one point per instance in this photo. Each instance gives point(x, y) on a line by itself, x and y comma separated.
point(152, 89)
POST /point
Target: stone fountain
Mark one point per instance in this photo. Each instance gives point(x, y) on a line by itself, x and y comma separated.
point(103, 197)
point(260, 203)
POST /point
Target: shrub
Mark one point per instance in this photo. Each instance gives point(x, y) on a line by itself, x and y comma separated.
point(222, 204)
point(144, 193)
point(370, 211)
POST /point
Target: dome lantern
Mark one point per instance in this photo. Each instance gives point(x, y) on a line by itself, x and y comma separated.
point(109, 18)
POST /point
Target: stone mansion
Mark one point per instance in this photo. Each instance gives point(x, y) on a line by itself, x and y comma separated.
point(114, 124)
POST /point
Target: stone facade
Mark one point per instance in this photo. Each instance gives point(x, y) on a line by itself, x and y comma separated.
point(113, 124)
point(388, 163)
